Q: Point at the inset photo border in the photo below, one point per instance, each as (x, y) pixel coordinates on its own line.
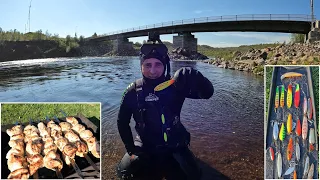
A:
(50, 140)
(291, 122)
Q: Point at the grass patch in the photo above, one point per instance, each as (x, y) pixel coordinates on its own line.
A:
(258, 69)
(268, 75)
(10, 113)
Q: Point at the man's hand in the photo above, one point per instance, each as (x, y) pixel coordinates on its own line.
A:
(185, 78)
(135, 152)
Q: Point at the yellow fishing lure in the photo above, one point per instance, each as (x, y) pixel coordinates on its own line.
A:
(282, 134)
(289, 96)
(164, 85)
(290, 75)
(289, 123)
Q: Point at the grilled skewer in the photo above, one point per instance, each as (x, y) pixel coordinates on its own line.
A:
(33, 149)
(17, 163)
(51, 158)
(68, 150)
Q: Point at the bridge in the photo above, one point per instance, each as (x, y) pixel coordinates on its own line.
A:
(284, 23)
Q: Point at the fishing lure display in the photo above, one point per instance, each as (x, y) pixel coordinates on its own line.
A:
(295, 126)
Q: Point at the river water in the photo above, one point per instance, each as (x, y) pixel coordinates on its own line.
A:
(227, 130)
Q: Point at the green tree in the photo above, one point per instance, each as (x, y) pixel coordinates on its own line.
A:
(137, 44)
(76, 37)
(297, 38)
(48, 35)
(81, 39)
(38, 35)
(68, 39)
(94, 35)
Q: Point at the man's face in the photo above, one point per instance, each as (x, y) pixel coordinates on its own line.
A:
(152, 68)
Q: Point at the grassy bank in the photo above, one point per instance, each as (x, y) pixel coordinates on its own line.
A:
(10, 113)
(315, 81)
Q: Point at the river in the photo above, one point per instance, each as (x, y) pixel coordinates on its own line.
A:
(227, 130)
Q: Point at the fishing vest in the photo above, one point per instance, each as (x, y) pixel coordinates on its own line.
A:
(156, 124)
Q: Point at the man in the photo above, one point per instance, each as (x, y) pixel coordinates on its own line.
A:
(161, 146)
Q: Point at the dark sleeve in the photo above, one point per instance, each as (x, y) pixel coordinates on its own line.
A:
(124, 117)
(200, 88)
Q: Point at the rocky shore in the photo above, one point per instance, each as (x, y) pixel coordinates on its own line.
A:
(184, 54)
(284, 54)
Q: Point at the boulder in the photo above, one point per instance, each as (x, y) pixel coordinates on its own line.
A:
(263, 55)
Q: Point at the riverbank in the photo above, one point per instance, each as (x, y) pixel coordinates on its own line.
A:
(253, 60)
(36, 49)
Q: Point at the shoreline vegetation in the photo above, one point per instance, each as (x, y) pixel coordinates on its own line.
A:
(15, 45)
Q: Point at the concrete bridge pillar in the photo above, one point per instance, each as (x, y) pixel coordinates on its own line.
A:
(185, 40)
(122, 47)
(314, 34)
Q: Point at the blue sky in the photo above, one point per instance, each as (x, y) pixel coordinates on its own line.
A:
(102, 16)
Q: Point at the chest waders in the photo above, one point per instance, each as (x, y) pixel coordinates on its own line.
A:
(141, 109)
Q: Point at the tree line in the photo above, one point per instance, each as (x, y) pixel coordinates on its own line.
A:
(15, 35)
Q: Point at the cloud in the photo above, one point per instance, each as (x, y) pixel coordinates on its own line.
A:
(222, 44)
(201, 11)
(198, 11)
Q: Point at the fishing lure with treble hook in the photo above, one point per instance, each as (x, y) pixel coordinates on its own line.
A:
(282, 97)
(289, 124)
(282, 134)
(297, 96)
(304, 127)
(298, 128)
(276, 103)
(310, 108)
(289, 96)
(290, 149)
(305, 105)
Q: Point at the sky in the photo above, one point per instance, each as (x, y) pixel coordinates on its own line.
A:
(85, 17)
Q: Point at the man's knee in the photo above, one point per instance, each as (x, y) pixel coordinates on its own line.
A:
(130, 167)
(123, 166)
(188, 163)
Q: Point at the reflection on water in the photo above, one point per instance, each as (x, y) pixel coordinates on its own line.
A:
(227, 129)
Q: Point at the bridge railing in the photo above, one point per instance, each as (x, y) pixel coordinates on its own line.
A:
(244, 17)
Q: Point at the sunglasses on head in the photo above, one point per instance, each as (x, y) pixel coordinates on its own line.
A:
(146, 49)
